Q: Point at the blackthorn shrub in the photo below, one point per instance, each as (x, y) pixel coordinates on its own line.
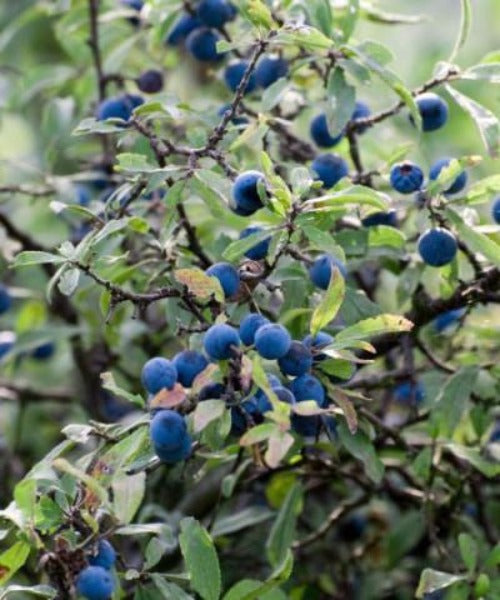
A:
(251, 317)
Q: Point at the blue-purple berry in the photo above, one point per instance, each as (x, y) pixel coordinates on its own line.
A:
(320, 340)
(5, 299)
(433, 110)
(105, 556)
(437, 247)
(95, 583)
(189, 365)
(260, 249)
(150, 81)
(270, 69)
(220, 341)
(320, 132)
(320, 271)
(389, 218)
(249, 326)
(157, 374)
(272, 341)
(228, 277)
(184, 25)
(459, 182)
(297, 361)
(245, 192)
(329, 169)
(495, 210)
(406, 177)
(233, 76)
(202, 45)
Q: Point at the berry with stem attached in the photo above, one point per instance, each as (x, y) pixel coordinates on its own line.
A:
(406, 177)
(220, 341)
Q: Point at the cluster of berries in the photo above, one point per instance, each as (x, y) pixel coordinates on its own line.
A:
(95, 582)
(222, 342)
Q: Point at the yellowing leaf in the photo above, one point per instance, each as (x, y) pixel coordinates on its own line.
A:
(330, 304)
(201, 285)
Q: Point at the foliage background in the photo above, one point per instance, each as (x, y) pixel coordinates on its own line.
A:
(47, 86)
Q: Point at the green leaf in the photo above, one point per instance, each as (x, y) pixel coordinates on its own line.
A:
(483, 72)
(91, 126)
(360, 446)
(201, 559)
(452, 400)
(369, 328)
(283, 530)
(449, 173)
(13, 559)
(274, 94)
(108, 383)
(279, 444)
(404, 536)
(128, 494)
(389, 78)
(40, 591)
(258, 14)
(347, 408)
(468, 550)
(24, 259)
(485, 120)
(357, 306)
(109, 229)
(473, 457)
(320, 15)
(476, 241)
(304, 36)
(341, 99)
(257, 434)
(213, 189)
(370, 12)
(377, 51)
(482, 190)
(356, 194)
(248, 517)
(483, 585)
(493, 558)
(431, 581)
(251, 589)
(465, 25)
(236, 249)
(323, 240)
(206, 412)
(68, 281)
(347, 19)
(330, 304)
(168, 590)
(383, 235)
